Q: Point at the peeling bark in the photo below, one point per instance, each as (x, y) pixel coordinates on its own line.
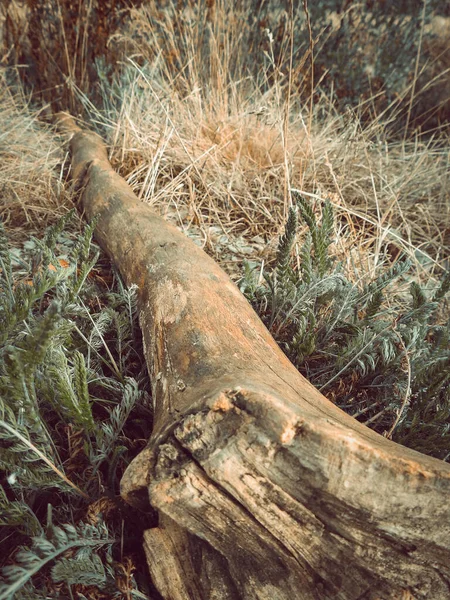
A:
(285, 495)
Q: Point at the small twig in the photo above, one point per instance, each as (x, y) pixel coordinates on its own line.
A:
(376, 417)
(362, 411)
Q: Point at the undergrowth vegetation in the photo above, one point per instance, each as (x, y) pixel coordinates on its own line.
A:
(381, 352)
(211, 141)
(74, 410)
(233, 120)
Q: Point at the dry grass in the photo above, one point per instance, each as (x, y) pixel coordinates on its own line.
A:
(32, 162)
(215, 144)
(217, 150)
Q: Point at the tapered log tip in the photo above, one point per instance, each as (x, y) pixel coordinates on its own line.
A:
(65, 123)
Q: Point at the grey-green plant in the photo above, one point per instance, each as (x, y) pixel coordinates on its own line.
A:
(51, 548)
(73, 399)
(379, 348)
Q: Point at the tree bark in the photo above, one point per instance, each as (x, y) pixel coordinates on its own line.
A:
(280, 493)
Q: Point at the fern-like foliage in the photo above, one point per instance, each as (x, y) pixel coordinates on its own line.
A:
(73, 387)
(283, 269)
(85, 567)
(382, 357)
(281, 280)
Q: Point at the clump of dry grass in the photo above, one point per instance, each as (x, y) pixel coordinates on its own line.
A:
(212, 121)
(32, 186)
(212, 146)
(215, 141)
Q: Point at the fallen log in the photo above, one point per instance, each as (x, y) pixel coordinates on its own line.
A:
(266, 490)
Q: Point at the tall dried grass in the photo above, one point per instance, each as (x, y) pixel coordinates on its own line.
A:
(211, 118)
(33, 192)
(217, 148)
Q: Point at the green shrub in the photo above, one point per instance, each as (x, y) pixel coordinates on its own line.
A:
(73, 401)
(382, 355)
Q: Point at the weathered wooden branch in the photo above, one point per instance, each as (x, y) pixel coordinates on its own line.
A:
(268, 490)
